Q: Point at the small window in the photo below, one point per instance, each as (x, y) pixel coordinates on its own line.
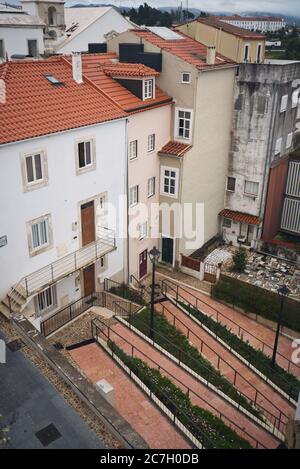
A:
(251, 188)
(53, 80)
(259, 51)
(246, 53)
(278, 146)
(169, 181)
(289, 140)
(185, 77)
(46, 300)
(133, 195)
(39, 235)
(2, 52)
(295, 98)
(151, 142)
(284, 101)
(151, 186)
(32, 48)
(231, 184)
(184, 119)
(34, 171)
(143, 230)
(133, 150)
(148, 89)
(85, 158)
(227, 222)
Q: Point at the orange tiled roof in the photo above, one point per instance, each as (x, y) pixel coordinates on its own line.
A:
(241, 217)
(93, 68)
(129, 70)
(174, 148)
(229, 28)
(35, 107)
(187, 49)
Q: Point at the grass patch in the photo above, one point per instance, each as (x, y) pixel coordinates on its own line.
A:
(176, 343)
(127, 293)
(284, 380)
(207, 428)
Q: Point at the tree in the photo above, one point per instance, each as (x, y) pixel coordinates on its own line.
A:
(240, 260)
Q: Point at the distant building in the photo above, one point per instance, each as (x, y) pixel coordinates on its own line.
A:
(86, 26)
(233, 42)
(255, 23)
(20, 33)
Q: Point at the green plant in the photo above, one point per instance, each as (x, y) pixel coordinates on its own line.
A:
(210, 430)
(240, 260)
(284, 380)
(177, 344)
(127, 293)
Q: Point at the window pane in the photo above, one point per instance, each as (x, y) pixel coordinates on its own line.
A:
(29, 169)
(88, 158)
(231, 184)
(44, 234)
(38, 166)
(81, 154)
(35, 235)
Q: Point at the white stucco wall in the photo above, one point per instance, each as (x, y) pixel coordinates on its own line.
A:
(61, 198)
(112, 20)
(15, 39)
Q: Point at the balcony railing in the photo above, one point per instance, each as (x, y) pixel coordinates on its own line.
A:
(57, 270)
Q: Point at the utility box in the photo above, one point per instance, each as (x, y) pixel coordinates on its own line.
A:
(106, 390)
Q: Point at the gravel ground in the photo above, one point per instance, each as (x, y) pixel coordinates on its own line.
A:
(83, 411)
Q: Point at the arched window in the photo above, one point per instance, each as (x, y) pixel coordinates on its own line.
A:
(52, 16)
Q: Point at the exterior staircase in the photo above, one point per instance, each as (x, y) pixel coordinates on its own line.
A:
(20, 294)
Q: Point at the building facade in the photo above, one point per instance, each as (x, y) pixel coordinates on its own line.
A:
(255, 23)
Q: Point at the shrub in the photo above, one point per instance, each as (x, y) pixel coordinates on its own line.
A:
(207, 428)
(177, 344)
(240, 260)
(127, 293)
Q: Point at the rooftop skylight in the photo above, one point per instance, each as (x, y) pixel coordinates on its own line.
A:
(165, 33)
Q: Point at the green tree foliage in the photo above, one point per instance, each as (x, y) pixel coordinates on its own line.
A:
(146, 15)
(240, 260)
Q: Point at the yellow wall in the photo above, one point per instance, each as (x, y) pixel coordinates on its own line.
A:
(227, 44)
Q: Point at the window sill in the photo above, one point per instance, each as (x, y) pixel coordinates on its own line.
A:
(253, 196)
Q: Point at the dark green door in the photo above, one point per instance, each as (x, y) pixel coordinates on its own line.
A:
(167, 250)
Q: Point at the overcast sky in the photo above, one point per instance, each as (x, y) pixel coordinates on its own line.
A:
(291, 7)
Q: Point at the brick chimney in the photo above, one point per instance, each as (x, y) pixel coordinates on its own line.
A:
(77, 67)
(211, 55)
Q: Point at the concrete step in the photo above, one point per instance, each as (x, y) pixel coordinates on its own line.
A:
(4, 310)
(14, 306)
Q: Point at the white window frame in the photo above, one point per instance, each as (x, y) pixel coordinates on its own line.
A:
(252, 194)
(177, 118)
(49, 293)
(89, 166)
(295, 98)
(223, 223)
(151, 187)
(133, 196)
(163, 169)
(39, 233)
(133, 149)
(151, 143)
(143, 230)
(36, 183)
(148, 90)
(289, 140)
(284, 102)
(278, 146)
(186, 82)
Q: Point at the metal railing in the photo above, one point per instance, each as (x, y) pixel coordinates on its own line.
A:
(235, 328)
(143, 289)
(57, 270)
(123, 290)
(134, 351)
(252, 394)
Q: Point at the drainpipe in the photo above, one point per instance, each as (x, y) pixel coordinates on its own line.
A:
(127, 206)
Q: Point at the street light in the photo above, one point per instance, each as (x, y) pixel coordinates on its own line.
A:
(153, 256)
(283, 293)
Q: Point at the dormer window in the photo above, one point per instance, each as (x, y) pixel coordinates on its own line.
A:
(148, 89)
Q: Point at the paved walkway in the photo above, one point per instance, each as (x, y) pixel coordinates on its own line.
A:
(199, 393)
(129, 400)
(274, 407)
(252, 331)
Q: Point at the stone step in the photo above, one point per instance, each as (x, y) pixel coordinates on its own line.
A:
(4, 310)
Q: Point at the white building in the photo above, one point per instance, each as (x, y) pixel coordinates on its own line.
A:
(63, 154)
(255, 23)
(86, 26)
(20, 33)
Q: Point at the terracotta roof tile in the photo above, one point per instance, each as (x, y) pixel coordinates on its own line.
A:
(187, 49)
(129, 70)
(35, 107)
(241, 217)
(174, 148)
(229, 28)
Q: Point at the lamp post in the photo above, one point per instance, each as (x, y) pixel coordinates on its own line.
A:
(283, 292)
(153, 256)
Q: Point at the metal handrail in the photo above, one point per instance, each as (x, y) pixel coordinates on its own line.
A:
(142, 287)
(189, 390)
(258, 394)
(63, 267)
(219, 314)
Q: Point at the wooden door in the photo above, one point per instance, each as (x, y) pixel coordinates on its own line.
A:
(89, 279)
(88, 223)
(167, 250)
(143, 263)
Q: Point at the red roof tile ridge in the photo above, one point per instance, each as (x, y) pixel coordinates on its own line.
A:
(91, 83)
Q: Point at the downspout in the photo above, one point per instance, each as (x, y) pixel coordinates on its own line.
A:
(127, 206)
